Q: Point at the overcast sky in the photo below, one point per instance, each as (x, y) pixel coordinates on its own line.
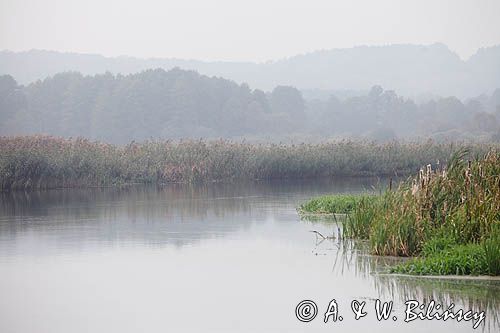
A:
(253, 30)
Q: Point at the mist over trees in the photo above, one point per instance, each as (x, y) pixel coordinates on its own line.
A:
(180, 104)
(411, 70)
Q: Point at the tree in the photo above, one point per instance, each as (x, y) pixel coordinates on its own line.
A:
(286, 99)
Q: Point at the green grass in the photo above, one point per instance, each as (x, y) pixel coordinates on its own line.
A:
(436, 245)
(467, 259)
(491, 247)
(334, 204)
(357, 224)
(445, 255)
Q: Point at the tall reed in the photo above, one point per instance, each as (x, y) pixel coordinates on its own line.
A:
(461, 202)
(47, 162)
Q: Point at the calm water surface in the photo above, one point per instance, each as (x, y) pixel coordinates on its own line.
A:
(215, 258)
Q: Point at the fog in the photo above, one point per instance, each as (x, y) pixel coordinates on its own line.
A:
(184, 104)
(411, 70)
(263, 71)
(229, 30)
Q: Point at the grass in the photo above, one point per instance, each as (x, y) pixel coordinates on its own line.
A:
(333, 204)
(448, 217)
(467, 259)
(443, 256)
(49, 162)
(357, 224)
(491, 247)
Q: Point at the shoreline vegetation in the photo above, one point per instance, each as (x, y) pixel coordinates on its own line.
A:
(447, 219)
(43, 162)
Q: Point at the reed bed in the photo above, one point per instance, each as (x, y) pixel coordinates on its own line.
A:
(50, 162)
(448, 216)
(460, 203)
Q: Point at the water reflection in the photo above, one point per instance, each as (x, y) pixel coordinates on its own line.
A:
(146, 258)
(177, 213)
(476, 294)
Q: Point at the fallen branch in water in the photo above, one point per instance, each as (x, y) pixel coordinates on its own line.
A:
(318, 233)
(321, 235)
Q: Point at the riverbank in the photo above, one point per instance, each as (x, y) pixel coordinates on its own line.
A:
(48, 162)
(447, 219)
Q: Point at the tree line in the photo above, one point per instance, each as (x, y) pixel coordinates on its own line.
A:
(178, 104)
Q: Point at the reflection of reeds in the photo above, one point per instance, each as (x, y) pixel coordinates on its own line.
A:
(45, 162)
(354, 255)
(476, 295)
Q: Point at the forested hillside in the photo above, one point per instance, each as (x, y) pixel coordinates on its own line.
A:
(409, 69)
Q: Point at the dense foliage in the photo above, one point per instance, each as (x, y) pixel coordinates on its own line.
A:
(183, 104)
(41, 162)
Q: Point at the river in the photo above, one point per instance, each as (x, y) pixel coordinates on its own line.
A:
(206, 258)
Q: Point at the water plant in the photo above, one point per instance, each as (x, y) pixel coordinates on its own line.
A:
(357, 224)
(48, 162)
(491, 247)
(334, 204)
(449, 216)
(461, 202)
(457, 260)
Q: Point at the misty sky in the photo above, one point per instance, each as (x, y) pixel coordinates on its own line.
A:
(253, 30)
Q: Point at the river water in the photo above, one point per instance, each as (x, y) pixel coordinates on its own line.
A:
(212, 258)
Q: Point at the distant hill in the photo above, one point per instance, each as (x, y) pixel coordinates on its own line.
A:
(409, 69)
